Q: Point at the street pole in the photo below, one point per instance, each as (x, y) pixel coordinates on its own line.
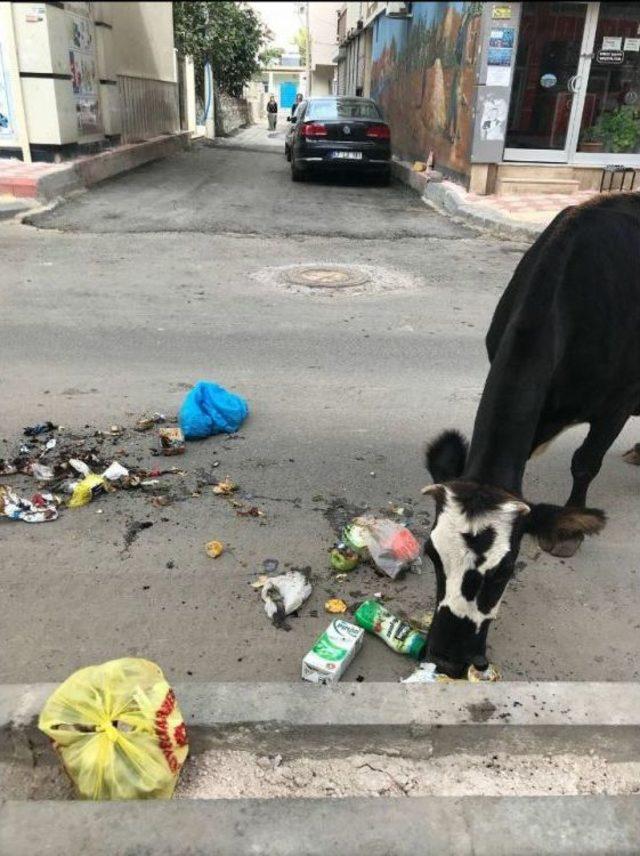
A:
(308, 50)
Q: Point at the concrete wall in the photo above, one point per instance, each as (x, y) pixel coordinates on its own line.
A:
(143, 39)
(230, 113)
(323, 18)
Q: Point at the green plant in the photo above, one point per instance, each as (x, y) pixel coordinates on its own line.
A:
(619, 129)
(228, 35)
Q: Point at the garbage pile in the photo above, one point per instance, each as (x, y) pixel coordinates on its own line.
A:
(63, 468)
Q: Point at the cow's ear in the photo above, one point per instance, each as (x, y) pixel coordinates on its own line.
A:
(446, 456)
(437, 491)
(553, 523)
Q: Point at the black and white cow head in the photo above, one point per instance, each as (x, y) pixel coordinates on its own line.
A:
(474, 544)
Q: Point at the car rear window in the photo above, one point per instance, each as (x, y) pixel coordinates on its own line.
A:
(331, 109)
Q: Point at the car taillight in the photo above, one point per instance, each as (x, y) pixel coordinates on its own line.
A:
(379, 132)
(314, 129)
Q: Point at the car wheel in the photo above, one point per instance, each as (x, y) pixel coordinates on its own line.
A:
(287, 153)
(296, 173)
(384, 179)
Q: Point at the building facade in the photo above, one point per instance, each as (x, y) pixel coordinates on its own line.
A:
(322, 41)
(80, 74)
(508, 97)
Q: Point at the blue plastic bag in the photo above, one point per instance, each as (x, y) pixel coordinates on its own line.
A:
(211, 409)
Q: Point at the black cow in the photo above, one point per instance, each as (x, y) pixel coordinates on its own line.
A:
(564, 347)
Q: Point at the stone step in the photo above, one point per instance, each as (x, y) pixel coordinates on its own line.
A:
(535, 170)
(508, 186)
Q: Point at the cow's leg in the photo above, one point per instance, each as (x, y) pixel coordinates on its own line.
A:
(585, 466)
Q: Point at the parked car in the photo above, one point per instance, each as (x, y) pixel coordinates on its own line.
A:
(332, 133)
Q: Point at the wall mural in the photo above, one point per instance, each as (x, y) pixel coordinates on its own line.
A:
(423, 76)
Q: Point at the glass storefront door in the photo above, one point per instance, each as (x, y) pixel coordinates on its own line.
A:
(543, 93)
(575, 96)
(609, 120)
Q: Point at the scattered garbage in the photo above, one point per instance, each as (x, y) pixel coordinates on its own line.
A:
(210, 409)
(172, 441)
(427, 673)
(41, 472)
(86, 490)
(118, 730)
(398, 634)
(284, 594)
(390, 545)
(335, 605)
(332, 652)
(225, 487)
(41, 508)
(419, 166)
(343, 558)
(115, 472)
(270, 566)
(214, 549)
(145, 423)
(40, 428)
(251, 511)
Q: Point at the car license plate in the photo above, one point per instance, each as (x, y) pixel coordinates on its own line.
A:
(348, 155)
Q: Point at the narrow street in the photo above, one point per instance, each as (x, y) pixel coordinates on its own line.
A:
(117, 301)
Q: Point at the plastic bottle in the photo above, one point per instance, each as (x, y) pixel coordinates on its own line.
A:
(398, 634)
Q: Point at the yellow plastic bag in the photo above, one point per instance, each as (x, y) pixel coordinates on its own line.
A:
(86, 490)
(118, 730)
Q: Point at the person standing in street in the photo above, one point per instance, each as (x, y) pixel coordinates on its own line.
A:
(296, 104)
(272, 112)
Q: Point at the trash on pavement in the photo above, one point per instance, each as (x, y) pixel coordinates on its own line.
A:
(40, 428)
(41, 508)
(270, 566)
(251, 511)
(145, 423)
(210, 409)
(115, 472)
(225, 487)
(332, 652)
(40, 471)
(172, 441)
(427, 673)
(343, 558)
(259, 583)
(398, 634)
(86, 490)
(80, 466)
(391, 546)
(491, 673)
(335, 605)
(419, 166)
(118, 730)
(214, 549)
(7, 468)
(284, 594)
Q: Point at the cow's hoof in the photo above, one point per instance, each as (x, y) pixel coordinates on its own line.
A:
(633, 455)
(562, 548)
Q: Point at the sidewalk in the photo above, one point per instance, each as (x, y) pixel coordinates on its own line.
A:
(257, 137)
(46, 181)
(516, 216)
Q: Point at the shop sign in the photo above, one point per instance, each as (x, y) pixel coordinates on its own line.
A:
(608, 57)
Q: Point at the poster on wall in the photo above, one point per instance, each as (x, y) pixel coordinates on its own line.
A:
(6, 116)
(84, 72)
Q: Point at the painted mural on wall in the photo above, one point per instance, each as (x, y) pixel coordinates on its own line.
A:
(423, 76)
(6, 117)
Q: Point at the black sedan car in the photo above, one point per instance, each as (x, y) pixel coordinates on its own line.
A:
(339, 133)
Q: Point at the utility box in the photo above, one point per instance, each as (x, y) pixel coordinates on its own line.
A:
(59, 62)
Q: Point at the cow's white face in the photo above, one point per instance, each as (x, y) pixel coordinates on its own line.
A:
(473, 545)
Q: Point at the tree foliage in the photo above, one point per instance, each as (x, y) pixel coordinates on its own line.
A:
(300, 40)
(228, 35)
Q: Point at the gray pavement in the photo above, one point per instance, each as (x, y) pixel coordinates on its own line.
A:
(163, 276)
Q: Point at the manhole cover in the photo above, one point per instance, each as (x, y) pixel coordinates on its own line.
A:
(325, 276)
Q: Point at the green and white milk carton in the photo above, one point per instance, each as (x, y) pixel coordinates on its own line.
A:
(332, 652)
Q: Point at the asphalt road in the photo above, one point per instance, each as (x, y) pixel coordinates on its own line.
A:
(124, 296)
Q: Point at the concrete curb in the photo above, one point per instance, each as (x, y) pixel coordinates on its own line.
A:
(91, 170)
(482, 826)
(516, 717)
(449, 199)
